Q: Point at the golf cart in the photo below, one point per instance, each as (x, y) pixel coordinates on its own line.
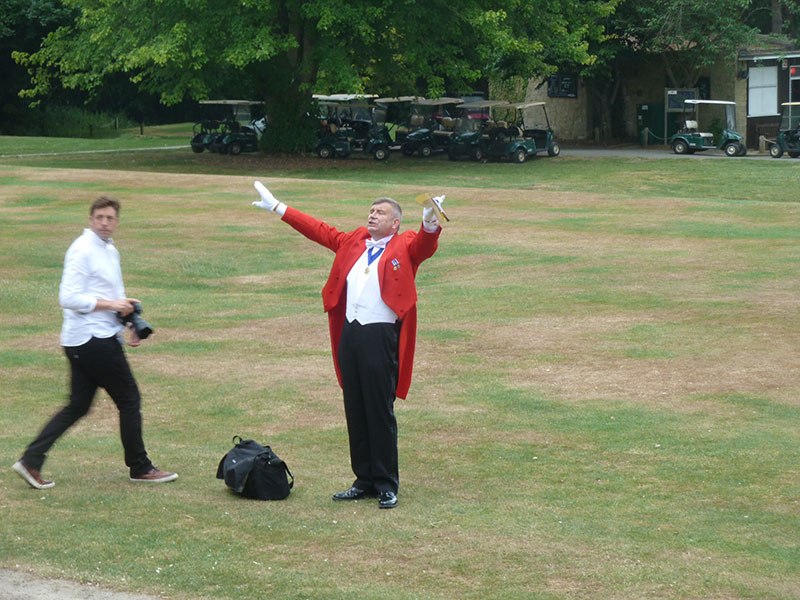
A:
(434, 122)
(235, 133)
(689, 139)
(517, 139)
(471, 137)
(788, 139)
(348, 122)
(396, 114)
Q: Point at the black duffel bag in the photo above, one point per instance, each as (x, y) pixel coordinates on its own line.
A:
(255, 471)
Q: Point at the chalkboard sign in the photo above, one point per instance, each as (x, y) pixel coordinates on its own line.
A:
(562, 86)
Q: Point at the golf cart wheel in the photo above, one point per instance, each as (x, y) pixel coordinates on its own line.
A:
(325, 151)
(198, 148)
(742, 149)
(235, 148)
(553, 149)
(794, 154)
(477, 153)
(381, 153)
(407, 149)
(775, 151)
(520, 155)
(680, 147)
(425, 150)
(731, 149)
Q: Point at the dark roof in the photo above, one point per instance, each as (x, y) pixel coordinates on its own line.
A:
(770, 46)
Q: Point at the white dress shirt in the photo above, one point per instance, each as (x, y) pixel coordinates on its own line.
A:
(91, 272)
(364, 302)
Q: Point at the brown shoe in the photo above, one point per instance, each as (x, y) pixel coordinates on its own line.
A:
(155, 475)
(32, 476)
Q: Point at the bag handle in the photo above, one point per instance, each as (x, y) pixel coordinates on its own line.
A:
(235, 443)
(291, 483)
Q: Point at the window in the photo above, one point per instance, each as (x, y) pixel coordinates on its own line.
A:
(762, 91)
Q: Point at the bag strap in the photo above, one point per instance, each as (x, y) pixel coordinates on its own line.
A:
(291, 483)
(235, 443)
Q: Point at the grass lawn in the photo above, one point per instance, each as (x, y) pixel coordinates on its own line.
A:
(605, 400)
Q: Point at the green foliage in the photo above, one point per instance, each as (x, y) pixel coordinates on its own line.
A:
(687, 36)
(284, 50)
(67, 121)
(716, 128)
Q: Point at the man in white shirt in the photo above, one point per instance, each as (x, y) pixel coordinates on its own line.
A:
(93, 299)
(371, 301)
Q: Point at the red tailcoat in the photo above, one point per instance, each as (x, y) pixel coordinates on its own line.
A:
(397, 269)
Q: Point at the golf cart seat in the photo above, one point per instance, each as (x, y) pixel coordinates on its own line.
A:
(501, 124)
(488, 124)
(447, 127)
(417, 120)
(333, 127)
(690, 126)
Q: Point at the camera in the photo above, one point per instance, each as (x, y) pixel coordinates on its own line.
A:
(140, 326)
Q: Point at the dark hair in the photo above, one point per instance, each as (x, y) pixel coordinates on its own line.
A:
(103, 202)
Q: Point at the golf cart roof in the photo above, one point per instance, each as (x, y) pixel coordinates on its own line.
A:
(343, 97)
(693, 101)
(520, 105)
(481, 104)
(790, 103)
(398, 99)
(231, 102)
(438, 101)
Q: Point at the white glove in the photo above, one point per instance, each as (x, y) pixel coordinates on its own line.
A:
(430, 220)
(268, 201)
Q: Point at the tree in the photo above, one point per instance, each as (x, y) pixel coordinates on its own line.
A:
(23, 24)
(775, 17)
(284, 50)
(686, 36)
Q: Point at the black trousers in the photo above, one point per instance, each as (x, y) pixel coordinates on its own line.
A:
(100, 362)
(368, 362)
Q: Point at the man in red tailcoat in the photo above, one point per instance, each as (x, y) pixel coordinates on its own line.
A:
(371, 301)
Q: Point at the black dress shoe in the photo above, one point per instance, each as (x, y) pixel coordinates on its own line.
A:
(353, 493)
(387, 500)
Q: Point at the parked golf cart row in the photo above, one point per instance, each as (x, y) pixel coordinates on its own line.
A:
(788, 139)
(689, 139)
(512, 137)
(424, 127)
(231, 130)
(348, 123)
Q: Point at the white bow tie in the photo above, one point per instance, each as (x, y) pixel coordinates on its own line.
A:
(373, 244)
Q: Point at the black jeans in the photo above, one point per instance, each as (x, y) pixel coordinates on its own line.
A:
(100, 362)
(368, 362)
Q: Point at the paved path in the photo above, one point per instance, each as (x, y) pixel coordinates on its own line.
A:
(635, 151)
(16, 585)
(106, 151)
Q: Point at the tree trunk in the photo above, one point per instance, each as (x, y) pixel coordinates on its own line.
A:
(602, 111)
(777, 16)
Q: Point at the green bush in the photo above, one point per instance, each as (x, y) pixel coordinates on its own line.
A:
(70, 121)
